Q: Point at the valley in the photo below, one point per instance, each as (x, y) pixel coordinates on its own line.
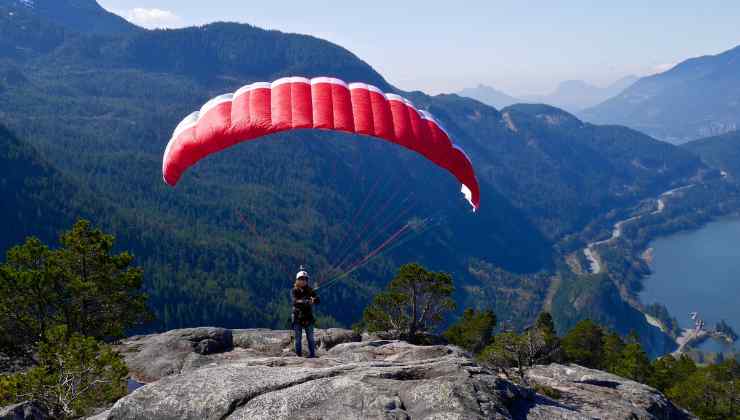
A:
(278, 212)
(220, 249)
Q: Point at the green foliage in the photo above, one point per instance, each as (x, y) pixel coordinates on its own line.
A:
(611, 351)
(552, 347)
(415, 302)
(74, 374)
(473, 331)
(711, 393)
(668, 371)
(82, 285)
(545, 323)
(590, 345)
(633, 364)
(86, 104)
(583, 344)
(505, 354)
(102, 288)
(536, 345)
(597, 297)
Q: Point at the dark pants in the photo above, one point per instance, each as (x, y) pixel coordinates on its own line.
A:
(298, 334)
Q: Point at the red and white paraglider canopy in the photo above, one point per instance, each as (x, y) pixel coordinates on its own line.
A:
(325, 103)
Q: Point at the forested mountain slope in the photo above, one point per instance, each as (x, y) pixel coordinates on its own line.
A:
(721, 152)
(222, 246)
(35, 197)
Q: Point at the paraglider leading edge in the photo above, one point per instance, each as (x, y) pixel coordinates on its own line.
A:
(325, 103)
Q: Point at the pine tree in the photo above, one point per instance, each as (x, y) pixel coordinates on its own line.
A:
(583, 344)
(473, 331)
(415, 302)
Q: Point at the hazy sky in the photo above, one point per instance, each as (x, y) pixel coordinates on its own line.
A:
(518, 46)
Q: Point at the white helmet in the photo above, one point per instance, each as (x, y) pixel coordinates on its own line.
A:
(300, 274)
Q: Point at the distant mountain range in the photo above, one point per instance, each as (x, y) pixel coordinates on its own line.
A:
(489, 96)
(699, 97)
(570, 95)
(576, 95)
(96, 110)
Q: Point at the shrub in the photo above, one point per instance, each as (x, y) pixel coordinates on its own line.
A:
(74, 375)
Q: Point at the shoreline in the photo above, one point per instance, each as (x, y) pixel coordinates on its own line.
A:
(590, 251)
(688, 338)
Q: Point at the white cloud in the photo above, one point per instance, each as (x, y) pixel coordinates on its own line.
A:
(153, 18)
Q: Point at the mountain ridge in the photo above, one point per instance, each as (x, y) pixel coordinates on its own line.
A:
(664, 105)
(571, 95)
(577, 95)
(221, 248)
(84, 16)
(489, 96)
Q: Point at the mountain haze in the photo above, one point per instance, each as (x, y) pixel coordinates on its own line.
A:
(577, 95)
(489, 96)
(697, 98)
(571, 95)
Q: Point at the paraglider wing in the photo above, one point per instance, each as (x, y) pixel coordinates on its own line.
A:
(323, 103)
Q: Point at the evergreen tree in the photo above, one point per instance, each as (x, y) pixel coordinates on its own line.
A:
(506, 354)
(710, 393)
(473, 331)
(82, 286)
(583, 345)
(634, 364)
(545, 323)
(612, 348)
(546, 327)
(664, 373)
(415, 302)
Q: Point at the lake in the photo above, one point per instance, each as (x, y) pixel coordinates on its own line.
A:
(698, 271)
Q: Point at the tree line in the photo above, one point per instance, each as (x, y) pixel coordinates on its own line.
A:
(416, 302)
(62, 308)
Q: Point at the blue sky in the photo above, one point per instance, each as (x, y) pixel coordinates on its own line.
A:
(520, 47)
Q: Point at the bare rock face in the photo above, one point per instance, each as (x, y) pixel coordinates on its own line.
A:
(23, 411)
(384, 382)
(150, 357)
(258, 377)
(598, 394)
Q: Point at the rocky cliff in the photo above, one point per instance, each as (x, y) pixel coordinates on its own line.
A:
(213, 373)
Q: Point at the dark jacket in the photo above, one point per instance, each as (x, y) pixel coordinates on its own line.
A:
(302, 309)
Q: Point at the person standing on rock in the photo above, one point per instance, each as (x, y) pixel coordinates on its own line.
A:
(304, 297)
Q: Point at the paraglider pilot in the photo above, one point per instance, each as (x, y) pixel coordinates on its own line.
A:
(304, 297)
